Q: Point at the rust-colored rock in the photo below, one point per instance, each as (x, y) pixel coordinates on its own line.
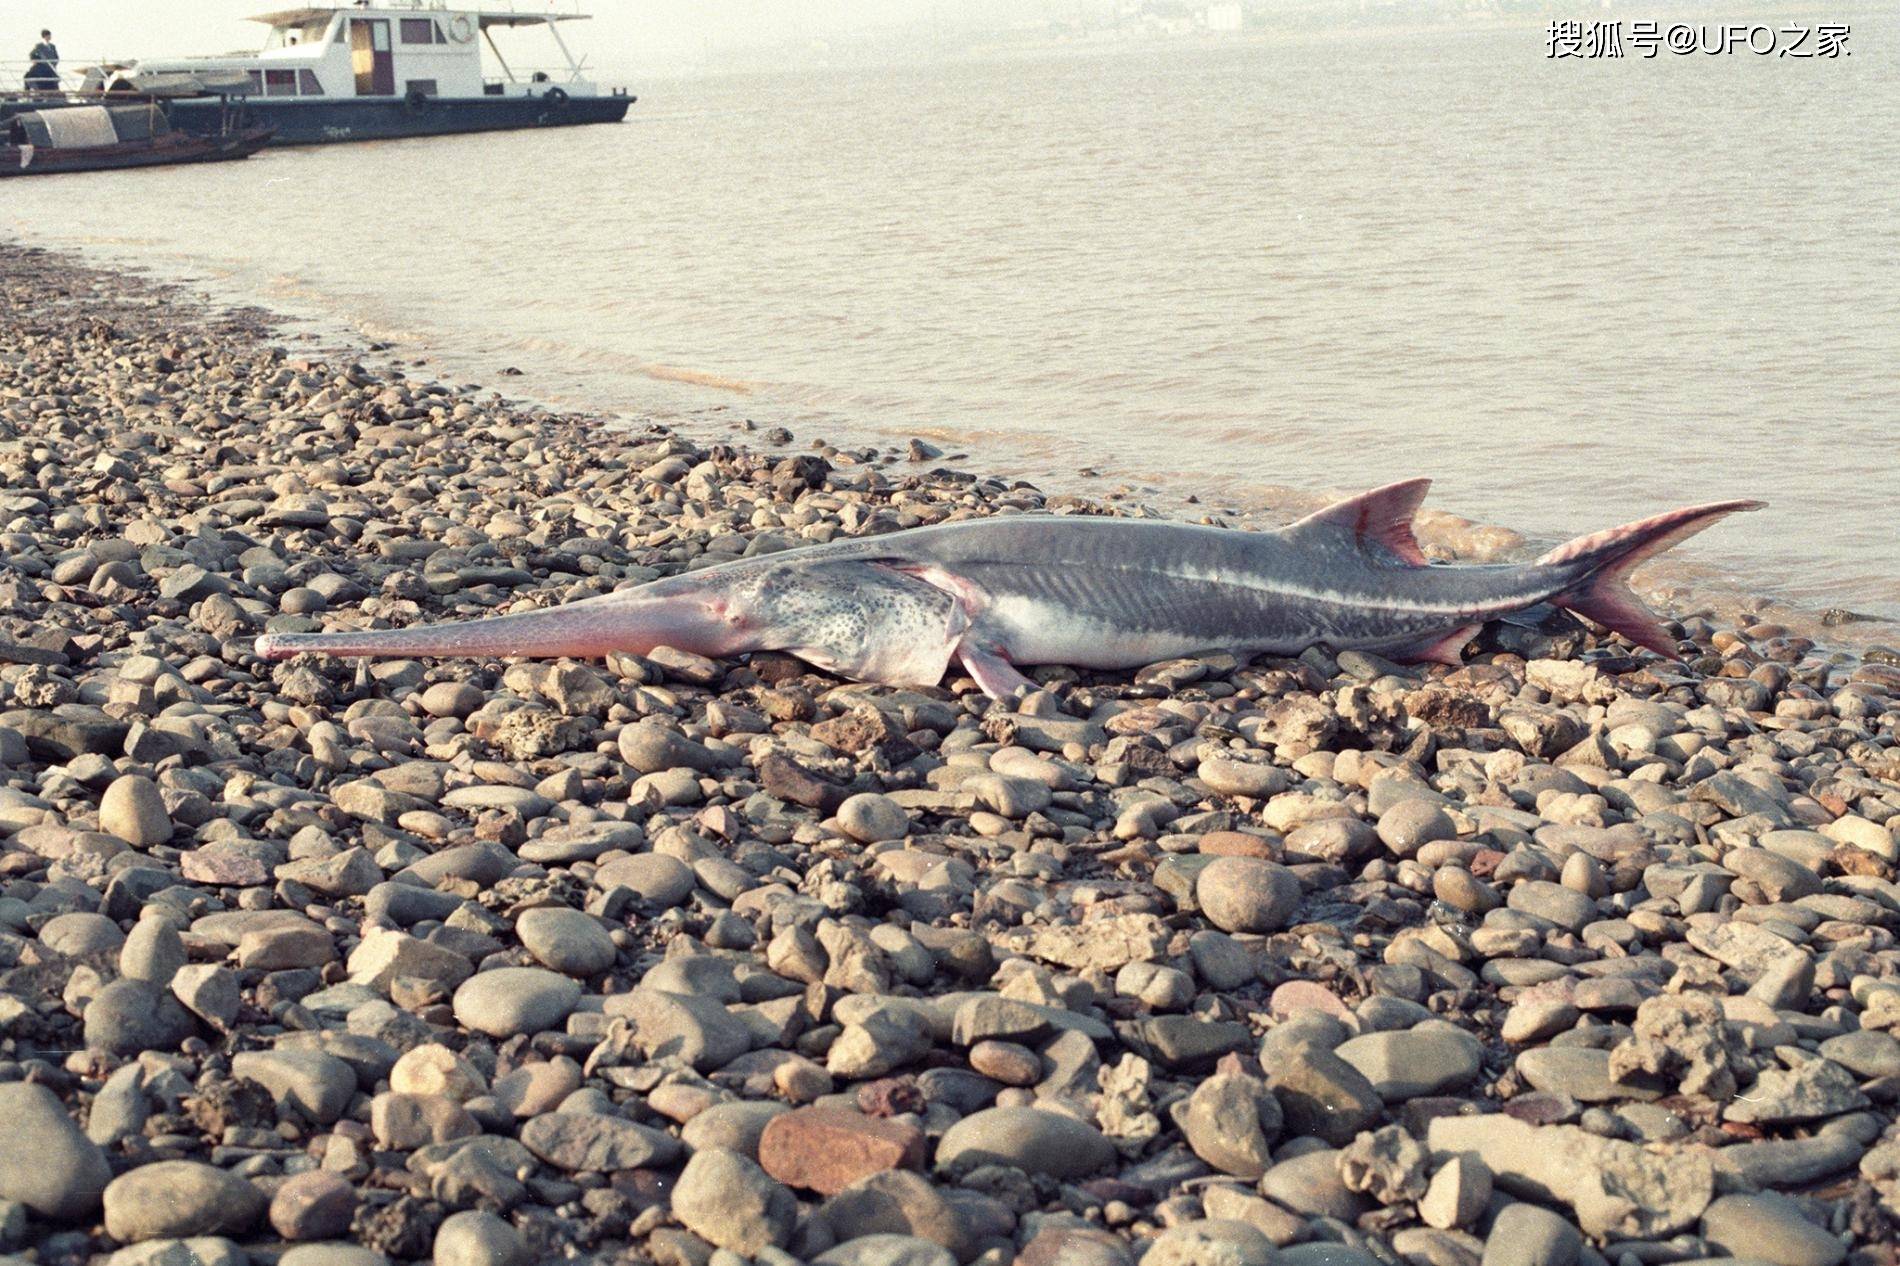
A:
(862, 729)
(786, 779)
(826, 1149)
(890, 1096)
(1485, 862)
(1538, 1108)
(1238, 844)
(1296, 996)
(1858, 861)
(1446, 709)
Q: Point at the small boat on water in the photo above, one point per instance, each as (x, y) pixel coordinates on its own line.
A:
(377, 69)
(108, 137)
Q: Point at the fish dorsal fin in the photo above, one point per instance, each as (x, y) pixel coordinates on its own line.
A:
(1379, 520)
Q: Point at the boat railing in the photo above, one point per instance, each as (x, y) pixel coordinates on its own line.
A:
(13, 101)
(13, 80)
(545, 8)
(69, 68)
(101, 96)
(540, 76)
(531, 8)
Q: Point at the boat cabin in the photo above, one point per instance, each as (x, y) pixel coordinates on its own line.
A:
(401, 50)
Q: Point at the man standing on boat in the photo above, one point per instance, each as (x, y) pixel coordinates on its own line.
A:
(42, 72)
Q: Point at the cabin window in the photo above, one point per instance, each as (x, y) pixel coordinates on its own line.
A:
(308, 85)
(420, 31)
(419, 87)
(280, 83)
(257, 82)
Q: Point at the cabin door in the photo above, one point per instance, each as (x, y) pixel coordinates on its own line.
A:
(371, 59)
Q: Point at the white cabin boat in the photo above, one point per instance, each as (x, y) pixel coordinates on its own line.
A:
(369, 71)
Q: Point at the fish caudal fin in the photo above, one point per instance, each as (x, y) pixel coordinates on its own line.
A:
(1603, 593)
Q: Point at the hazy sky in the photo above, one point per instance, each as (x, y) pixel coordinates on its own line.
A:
(643, 35)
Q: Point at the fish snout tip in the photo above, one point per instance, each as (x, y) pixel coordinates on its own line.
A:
(271, 646)
(1715, 509)
(1737, 505)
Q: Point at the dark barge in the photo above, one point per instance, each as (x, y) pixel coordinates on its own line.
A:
(67, 138)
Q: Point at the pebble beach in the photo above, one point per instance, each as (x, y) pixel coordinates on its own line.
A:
(1569, 956)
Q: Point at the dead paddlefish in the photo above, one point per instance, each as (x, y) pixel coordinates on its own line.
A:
(997, 593)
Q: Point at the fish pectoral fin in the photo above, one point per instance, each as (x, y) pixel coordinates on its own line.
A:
(1379, 521)
(967, 594)
(994, 675)
(1447, 649)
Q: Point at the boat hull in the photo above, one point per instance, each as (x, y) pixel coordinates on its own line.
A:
(306, 122)
(166, 151)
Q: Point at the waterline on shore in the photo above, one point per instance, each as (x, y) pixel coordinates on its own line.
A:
(1436, 265)
(702, 404)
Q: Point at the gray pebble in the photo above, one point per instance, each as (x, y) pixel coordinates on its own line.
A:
(1769, 1227)
(1527, 1235)
(1247, 894)
(48, 1164)
(730, 1202)
(566, 940)
(129, 1016)
(514, 1000)
(1031, 1140)
(478, 1238)
(870, 818)
(134, 811)
(173, 1199)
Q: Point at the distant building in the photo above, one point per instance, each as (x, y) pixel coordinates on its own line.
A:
(1224, 17)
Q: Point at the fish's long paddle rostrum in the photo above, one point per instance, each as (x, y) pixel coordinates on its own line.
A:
(998, 593)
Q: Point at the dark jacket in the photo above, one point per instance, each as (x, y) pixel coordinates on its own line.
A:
(45, 61)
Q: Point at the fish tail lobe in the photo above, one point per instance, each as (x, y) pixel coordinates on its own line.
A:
(1603, 594)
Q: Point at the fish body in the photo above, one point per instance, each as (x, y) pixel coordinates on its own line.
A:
(1107, 593)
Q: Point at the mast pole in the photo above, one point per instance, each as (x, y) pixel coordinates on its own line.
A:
(501, 61)
(573, 67)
